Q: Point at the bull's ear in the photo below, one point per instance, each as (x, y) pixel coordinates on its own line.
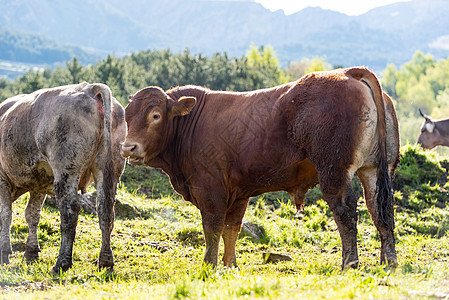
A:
(430, 126)
(183, 106)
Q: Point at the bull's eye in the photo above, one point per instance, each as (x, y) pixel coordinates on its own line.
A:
(156, 117)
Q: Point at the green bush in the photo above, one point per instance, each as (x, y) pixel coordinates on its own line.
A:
(148, 181)
(418, 166)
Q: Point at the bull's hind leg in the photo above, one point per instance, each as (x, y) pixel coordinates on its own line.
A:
(32, 216)
(5, 222)
(339, 195)
(233, 223)
(65, 189)
(385, 225)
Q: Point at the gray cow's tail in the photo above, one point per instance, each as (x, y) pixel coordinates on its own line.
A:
(385, 199)
(106, 187)
(103, 94)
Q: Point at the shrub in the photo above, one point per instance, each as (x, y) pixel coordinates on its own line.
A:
(145, 180)
(418, 166)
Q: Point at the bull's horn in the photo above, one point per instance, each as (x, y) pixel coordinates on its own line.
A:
(428, 118)
(420, 112)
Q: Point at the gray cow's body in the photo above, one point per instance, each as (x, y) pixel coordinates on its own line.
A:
(434, 133)
(52, 142)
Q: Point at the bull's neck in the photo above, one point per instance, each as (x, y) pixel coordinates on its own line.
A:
(178, 132)
(443, 128)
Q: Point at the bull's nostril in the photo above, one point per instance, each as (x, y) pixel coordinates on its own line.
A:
(128, 150)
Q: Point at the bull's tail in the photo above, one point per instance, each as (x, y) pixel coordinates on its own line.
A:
(385, 199)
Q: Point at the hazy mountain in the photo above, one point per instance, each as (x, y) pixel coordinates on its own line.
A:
(387, 34)
(36, 49)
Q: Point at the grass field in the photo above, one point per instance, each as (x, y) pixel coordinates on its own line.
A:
(158, 245)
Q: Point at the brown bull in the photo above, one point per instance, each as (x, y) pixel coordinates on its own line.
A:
(220, 148)
(52, 142)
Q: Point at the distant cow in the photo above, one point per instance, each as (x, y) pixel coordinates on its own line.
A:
(433, 132)
(220, 148)
(52, 142)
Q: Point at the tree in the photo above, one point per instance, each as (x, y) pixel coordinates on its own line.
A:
(30, 82)
(264, 67)
(296, 70)
(75, 70)
(317, 64)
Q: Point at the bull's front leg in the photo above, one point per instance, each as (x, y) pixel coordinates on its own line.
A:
(213, 225)
(65, 189)
(231, 231)
(32, 216)
(5, 222)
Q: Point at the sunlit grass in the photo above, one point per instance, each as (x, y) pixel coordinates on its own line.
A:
(159, 252)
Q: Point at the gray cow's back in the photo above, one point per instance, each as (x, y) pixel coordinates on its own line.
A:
(46, 131)
(54, 141)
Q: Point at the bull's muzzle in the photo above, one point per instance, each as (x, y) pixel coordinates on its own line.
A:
(128, 149)
(132, 152)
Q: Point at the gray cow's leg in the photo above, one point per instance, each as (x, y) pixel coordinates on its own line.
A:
(231, 231)
(368, 178)
(5, 222)
(65, 189)
(106, 189)
(32, 216)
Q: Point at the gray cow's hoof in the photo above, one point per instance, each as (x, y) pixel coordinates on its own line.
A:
(4, 258)
(106, 265)
(32, 253)
(350, 265)
(61, 266)
(106, 262)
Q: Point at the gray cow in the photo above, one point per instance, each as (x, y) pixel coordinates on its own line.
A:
(54, 141)
(433, 132)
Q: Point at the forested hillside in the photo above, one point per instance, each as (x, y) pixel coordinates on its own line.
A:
(258, 69)
(423, 82)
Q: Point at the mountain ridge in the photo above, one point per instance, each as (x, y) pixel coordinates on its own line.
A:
(387, 34)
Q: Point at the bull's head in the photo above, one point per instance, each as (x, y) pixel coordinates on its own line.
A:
(149, 116)
(429, 137)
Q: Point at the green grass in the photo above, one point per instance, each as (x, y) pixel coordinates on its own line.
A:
(158, 245)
